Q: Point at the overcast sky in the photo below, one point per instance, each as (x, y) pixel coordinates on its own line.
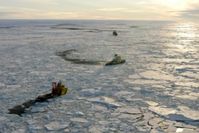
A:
(100, 9)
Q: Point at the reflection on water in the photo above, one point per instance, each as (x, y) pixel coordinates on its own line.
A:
(175, 73)
(185, 30)
(185, 35)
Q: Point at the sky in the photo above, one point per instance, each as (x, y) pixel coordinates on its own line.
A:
(100, 9)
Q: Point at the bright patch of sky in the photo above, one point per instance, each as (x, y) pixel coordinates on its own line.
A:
(99, 9)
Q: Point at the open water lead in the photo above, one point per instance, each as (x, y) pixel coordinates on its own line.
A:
(58, 89)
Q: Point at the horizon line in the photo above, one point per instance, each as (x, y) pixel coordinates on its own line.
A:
(91, 19)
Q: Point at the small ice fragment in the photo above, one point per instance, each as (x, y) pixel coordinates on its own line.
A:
(79, 120)
(152, 103)
(56, 126)
(179, 130)
(79, 113)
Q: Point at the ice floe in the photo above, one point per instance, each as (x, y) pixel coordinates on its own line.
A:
(152, 103)
(145, 82)
(188, 96)
(55, 125)
(162, 110)
(157, 75)
(106, 101)
(95, 129)
(80, 120)
(179, 130)
(128, 110)
(189, 113)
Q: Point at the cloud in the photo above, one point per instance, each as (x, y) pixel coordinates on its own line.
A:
(190, 14)
(111, 9)
(95, 9)
(5, 13)
(32, 14)
(121, 10)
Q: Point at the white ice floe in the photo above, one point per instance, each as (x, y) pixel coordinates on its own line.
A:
(13, 86)
(181, 110)
(80, 120)
(40, 73)
(157, 75)
(189, 113)
(123, 93)
(106, 101)
(111, 101)
(20, 131)
(99, 108)
(134, 76)
(152, 103)
(35, 127)
(37, 109)
(189, 97)
(188, 84)
(179, 130)
(191, 75)
(2, 85)
(128, 110)
(79, 113)
(95, 129)
(145, 82)
(52, 126)
(161, 110)
(3, 119)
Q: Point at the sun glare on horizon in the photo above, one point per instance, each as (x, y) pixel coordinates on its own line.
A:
(176, 4)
